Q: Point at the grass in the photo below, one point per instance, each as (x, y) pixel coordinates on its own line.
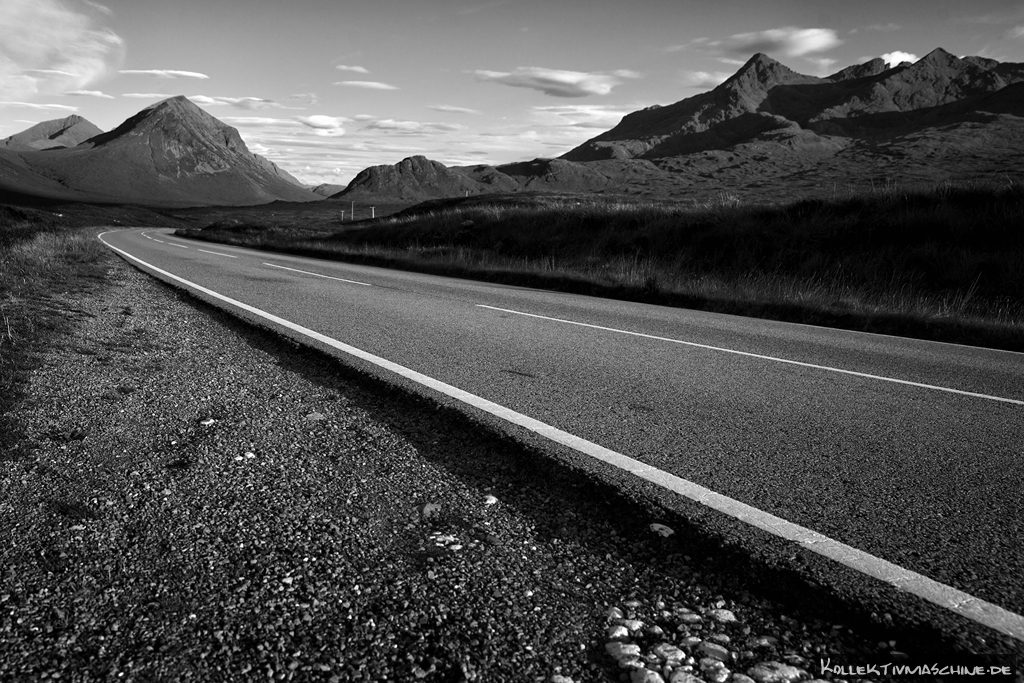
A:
(943, 262)
(41, 257)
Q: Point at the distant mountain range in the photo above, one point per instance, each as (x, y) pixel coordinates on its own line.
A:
(170, 154)
(766, 132)
(769, 131)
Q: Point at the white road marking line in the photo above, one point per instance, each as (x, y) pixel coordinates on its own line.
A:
(340, 279)
(758, 355)
(180, 246)
(952, 599)
(152, 238)
(215, 252)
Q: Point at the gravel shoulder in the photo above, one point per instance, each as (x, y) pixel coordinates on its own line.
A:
(197, 500)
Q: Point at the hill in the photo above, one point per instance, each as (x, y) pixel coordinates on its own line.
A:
(172, 153)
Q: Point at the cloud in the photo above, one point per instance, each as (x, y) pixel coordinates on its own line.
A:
(894, 58)
(90, 93)
(257, 121)
(370, 85)
(356, 69)
(52, 46)
(557, 83)
(788, 40)
(163, 73)
(321, 122)
(305, 99)
(1015, 32)
(412, 127)
(452, 109)
(246, 103)
(704, 79)
(589, 116)
(147, 95)
(33, 105)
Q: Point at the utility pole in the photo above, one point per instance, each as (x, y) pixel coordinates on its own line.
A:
(353, 214)
(372, 212)
(343, 215)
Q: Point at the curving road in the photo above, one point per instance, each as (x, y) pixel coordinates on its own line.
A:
(909, 451)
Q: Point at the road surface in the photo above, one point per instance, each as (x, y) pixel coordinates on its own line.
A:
(909, 451)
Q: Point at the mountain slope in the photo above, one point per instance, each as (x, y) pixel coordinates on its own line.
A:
(172, 153)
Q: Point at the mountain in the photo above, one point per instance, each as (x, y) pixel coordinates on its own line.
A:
(417, 178)
(766, 101)
(769, 132)
(171, 153)
(67, 132)
(326, 189)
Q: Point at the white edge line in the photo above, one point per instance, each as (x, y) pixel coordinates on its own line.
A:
(952, 599)
(215, 252)
(763, 357)
(340, 279)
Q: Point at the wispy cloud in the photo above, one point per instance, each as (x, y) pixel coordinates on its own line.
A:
(788, 40)
(163, 73)
(413, 127)
(50, 47)
(257, 121)
(452, 109)
(90, 93)
(1015, 32)
(356, 69)
(894, 58)
(556, 82)
(322, 122)
(146, 95)
(247, 103)
(704, 79)
(369, 85)
(305, 99)
(599, 116)
(35, 105)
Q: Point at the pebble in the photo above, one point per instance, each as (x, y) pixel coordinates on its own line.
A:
(617, 632)
(775, 672)
(714, 650)
(559, 678)
(680, 676)
(633, 625)
(723, 616)
(669, 653)
(645, 676)
(620, 651)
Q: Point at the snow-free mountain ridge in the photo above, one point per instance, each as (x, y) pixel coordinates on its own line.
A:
(171, 153)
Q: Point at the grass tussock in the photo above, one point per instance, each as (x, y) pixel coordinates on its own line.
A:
(945, 262)
(40, 258)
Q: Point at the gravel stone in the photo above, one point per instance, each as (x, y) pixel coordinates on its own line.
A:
(723, 616)
(645, 676)
(683, 677)
(714, 651)
(775, 672)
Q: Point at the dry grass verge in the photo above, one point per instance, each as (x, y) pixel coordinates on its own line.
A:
(944, 263)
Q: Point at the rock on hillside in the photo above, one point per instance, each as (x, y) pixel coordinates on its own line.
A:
(171, 153)
(66, 132)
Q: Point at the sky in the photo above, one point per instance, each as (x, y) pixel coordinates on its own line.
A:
(325, 88)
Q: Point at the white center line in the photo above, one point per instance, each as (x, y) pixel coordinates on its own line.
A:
(180, 246)
(156, 240)
(947, 597)
(340, 279)
(215, 252)
(758, 355)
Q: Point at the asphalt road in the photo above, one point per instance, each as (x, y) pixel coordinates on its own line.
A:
(909, 450)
